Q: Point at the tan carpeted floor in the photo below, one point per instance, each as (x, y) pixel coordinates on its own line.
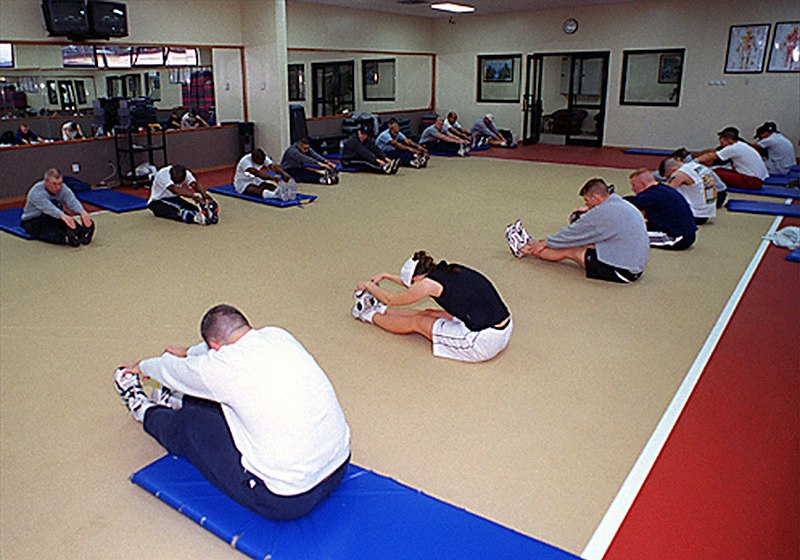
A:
(538, 439)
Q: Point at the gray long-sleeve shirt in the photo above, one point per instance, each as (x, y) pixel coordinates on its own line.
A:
(617, 230)
(40, 201)
(293, 158)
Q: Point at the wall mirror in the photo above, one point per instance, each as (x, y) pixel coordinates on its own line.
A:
(64, 79)
(360, 81)
(652, 77)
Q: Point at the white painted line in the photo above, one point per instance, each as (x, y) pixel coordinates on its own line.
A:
(598, 545)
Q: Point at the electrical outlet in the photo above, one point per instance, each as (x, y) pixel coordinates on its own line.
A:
(76, 167)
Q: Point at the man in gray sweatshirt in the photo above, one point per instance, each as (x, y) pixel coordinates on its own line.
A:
(609, 239)
(299, 155)
(44, 216)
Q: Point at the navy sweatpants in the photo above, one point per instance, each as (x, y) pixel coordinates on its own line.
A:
(199, 432)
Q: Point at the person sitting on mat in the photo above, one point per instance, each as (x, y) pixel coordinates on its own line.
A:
(257, 175)
(748, 170)
(607, 237)
(670, 223)
(696, 182)
(775, 148)
(250, 408)
(486, 129)
(396, 145)
(435, 139)
(173, 187)
(453, 127)
(685, 156)
(299, 155)
(361, 152)
(25, 135)
(192, 119)
(473, 325)
(44, 218)
(71, 131)
(174, 121)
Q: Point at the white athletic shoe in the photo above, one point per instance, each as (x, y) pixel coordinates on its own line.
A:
(416, 163)
(366, 305)
(517, 238)
(285, 191)
(387, 167)
(132, 393)
(164, 396)
(461, 151)
(200, 218)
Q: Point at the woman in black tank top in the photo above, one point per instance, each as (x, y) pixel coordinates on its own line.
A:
(467, 299)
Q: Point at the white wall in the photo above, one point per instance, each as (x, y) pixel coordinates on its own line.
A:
(228, 84)
(702, 28)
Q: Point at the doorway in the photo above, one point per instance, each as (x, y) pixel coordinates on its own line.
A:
(334, 90)
(565, 98)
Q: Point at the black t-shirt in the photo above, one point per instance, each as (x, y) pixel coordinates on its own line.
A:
(468, 295)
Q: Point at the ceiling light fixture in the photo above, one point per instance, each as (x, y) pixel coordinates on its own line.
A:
(454, 8)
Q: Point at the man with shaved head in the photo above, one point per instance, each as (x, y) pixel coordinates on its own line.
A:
(250, 408)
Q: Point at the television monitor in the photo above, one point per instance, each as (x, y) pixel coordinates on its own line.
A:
(78, 55)
(65, 17)
(113, 56)
(107, 19)
(6, 55)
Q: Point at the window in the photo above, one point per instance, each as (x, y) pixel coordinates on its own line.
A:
(499, 78)
(652, 77)
(78, 55)
(6, 55)
(297, 82)
(378, 79)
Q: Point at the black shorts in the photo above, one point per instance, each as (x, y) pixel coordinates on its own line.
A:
(595, 268)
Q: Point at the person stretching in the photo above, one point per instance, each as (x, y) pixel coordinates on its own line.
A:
(473, 324)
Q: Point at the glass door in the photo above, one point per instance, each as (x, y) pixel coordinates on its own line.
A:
(565, 96)
(333, 87)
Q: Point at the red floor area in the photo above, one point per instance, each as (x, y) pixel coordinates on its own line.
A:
(727, 483)
(574, 155)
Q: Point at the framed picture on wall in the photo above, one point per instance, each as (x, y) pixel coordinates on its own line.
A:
(669, 68)
(784, 54)
(747, 45)
(498, 70)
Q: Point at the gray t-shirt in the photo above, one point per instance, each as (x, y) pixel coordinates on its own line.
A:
(617, 230)
(780, 153)
(293, 158)
(480, 128)
(429, 134)
(41, 201)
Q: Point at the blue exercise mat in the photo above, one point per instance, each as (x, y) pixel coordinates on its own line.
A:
(9, 222)
(760, 207)
(782, 180)
(369, 517)
(647, 152)
(228, 190)
(780, 192)
(794, 256)
(116, 201)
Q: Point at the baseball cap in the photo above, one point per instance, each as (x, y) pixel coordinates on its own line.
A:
(489, 116)
(729, 132)
(766, 127)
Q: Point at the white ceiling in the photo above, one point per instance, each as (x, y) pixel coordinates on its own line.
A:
(422, 8)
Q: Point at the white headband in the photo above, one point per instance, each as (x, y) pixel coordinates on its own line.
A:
(407, 271)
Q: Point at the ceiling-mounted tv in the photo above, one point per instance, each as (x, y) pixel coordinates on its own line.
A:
(107, 19)
(65, 17)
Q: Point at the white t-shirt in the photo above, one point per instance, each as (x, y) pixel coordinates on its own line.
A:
(278, 403)
(162, 181)
(746, 160)
(780, 153)
(702, 193)
(447, 126)
(242, 178)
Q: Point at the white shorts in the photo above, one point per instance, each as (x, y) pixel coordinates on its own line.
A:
(452, 339)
